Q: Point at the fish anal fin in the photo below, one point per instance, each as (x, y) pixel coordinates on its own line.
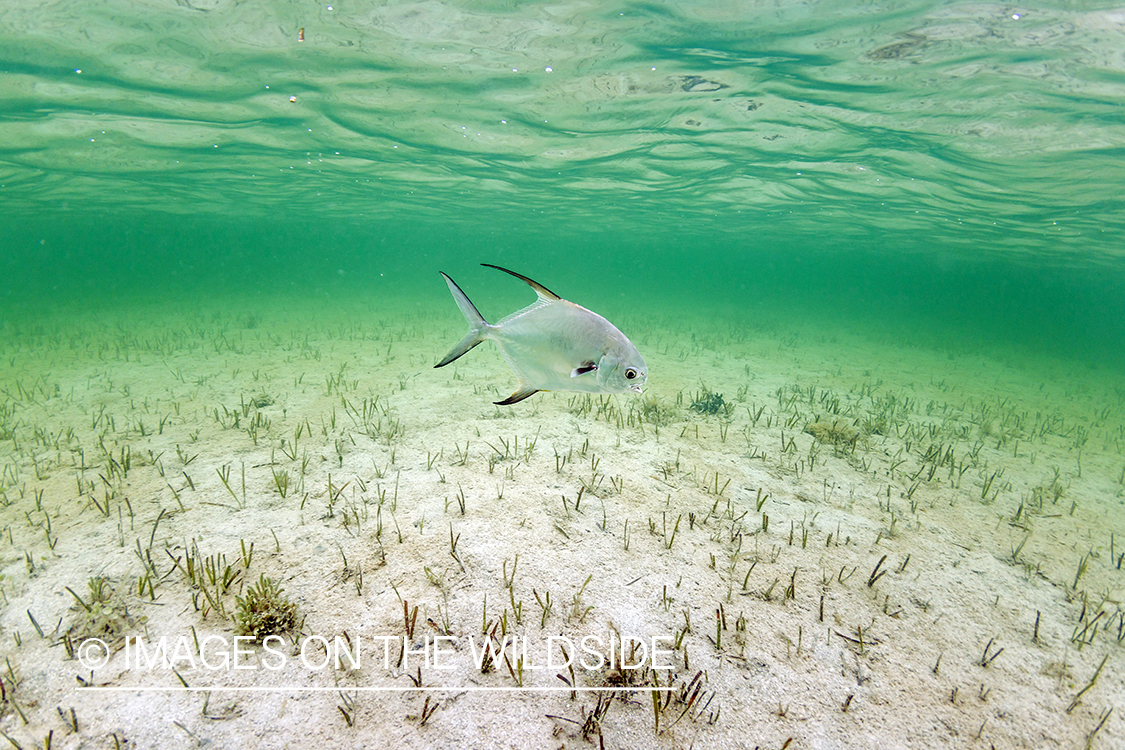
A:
(541, 290)
(523, 392)
(584, 368)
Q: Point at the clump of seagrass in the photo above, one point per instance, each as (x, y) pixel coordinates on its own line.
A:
(709, 402)
(264, 611)
(840, 434)
(654, 411)
(104, 616)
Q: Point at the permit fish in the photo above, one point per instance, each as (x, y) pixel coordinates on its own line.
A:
(553, 345)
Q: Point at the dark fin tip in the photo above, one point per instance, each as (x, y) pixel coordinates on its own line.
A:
(455, 354)
(515, 398)
(534, 284)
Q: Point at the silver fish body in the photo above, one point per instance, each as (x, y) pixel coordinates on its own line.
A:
(554, 345)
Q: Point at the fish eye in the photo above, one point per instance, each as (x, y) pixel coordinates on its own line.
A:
(630, 374)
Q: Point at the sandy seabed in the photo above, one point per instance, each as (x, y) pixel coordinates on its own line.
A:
(863, 544)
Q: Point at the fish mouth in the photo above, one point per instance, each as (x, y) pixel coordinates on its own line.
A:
(636, 389)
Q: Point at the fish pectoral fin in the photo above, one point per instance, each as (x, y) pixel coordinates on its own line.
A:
(523, 392)
(584, 368)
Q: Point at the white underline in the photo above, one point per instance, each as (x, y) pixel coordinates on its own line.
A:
(370, 689)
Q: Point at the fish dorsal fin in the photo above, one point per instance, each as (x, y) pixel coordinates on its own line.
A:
(541, 290)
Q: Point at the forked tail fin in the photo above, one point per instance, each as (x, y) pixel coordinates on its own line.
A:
(477, 324)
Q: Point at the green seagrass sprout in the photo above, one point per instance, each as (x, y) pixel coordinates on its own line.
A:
(104, 616)
(264, 611)
(709, 402)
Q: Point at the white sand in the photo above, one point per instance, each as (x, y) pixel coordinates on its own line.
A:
(862, 676)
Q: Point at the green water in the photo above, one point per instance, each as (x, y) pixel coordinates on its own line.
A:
(949, 167)
(888, 236)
